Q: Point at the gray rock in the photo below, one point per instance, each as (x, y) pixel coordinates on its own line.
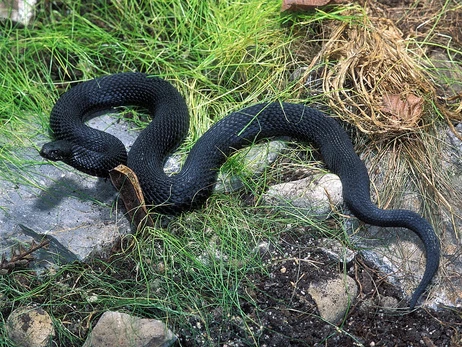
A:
(18, 10)
(314, 195)
(334, 297)
(77, 213)
(123, 330)
(31, 327)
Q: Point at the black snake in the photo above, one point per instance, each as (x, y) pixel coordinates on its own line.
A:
(96, 152)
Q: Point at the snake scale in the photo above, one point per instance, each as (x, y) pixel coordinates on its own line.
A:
(96, 152)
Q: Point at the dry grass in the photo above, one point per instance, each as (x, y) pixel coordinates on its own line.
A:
(375, 83)
(376, 70)
(370, 79)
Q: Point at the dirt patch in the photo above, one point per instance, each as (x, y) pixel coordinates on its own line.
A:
(421, 18)
(282, 313)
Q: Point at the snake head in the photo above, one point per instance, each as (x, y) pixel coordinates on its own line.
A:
(59, 150)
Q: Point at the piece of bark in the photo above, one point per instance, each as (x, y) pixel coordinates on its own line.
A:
(126, 182)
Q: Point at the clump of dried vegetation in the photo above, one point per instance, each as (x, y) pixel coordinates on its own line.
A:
(377, 78)
(374, 83)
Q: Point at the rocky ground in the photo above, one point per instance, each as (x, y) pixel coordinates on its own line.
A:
(289, 316)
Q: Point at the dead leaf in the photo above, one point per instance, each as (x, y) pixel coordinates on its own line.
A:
(406, 109)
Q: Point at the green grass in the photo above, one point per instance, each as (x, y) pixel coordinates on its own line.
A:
(215, 57)
(222, 56)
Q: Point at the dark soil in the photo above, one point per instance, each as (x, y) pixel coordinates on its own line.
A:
(283, 313)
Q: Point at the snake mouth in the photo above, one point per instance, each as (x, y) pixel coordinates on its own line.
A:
(56, 150)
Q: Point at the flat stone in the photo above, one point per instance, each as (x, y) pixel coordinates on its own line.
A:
(123, 330)
(76, 212)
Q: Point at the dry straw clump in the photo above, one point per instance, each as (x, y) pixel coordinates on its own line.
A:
(370, 79)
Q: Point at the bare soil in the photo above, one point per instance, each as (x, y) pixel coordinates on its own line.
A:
(285, 315)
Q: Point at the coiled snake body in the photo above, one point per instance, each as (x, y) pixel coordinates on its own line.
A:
(96, 152)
